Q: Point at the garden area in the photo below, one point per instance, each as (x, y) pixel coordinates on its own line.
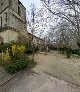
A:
(15, 57)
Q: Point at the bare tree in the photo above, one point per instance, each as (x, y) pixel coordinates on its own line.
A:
(68, 31)
(33, 9)
(66, 9)
(63, 35)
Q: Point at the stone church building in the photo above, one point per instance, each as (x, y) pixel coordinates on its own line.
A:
(12, 20)
(13, 23)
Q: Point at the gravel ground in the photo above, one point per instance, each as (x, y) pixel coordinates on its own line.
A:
(41, 79)
(59, 66)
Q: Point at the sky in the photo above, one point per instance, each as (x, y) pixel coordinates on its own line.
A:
(27, 4)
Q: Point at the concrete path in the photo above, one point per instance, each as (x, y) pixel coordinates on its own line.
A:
(4, 76)
(31, 82)
(40, 80)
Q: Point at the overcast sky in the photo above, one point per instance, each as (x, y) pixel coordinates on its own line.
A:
(27, 4)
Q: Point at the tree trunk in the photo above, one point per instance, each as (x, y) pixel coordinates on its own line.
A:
(68, 53)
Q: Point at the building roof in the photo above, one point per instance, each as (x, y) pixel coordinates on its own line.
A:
(22, 4)
(35, 36)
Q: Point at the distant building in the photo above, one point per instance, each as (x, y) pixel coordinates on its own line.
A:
(12, 18)
(37, 41)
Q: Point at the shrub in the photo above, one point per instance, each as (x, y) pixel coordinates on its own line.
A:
(77, 52)
(18, 64)
(29, 50)
(3, 47)
(7, 58)
(14, 49)
(14, 57)
(21, 49)
(17, 50)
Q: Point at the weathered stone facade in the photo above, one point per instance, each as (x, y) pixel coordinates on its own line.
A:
(37, 41)
(12, 14)
(8, 36)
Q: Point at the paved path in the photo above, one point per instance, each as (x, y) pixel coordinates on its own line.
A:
(4, 76)
(31, 82)
(40, 80)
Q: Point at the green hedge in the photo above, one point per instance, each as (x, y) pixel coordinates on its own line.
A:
(18, 64)
(14, 67)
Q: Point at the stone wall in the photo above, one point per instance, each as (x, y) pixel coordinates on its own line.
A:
(9, 35)
(10, 16)
(17, 6)
(22, 11)
(5, 18)
(3, 4)
(16, 21)
(37, 41)
(13, 16)
(14, 5)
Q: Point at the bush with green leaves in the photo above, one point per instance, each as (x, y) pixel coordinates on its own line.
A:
(18, 64)
(29, 50)
(18, 50)
(76, 51)
(3, 47)
(15, 58)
